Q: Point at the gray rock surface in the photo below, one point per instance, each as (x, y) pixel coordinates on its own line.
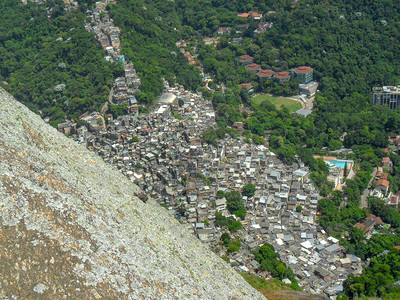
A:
(71, 227)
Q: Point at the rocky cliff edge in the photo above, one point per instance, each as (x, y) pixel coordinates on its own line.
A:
(72, 227)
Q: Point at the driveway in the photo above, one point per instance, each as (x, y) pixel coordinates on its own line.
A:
(364, 196)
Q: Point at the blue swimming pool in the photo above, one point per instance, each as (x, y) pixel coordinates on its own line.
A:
(339, 162)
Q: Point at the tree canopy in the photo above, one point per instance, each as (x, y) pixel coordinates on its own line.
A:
(40, 53)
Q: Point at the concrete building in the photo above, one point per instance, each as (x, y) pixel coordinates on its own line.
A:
(304, 73)
(166, 98)
(244, 60)
(255, 68)
(266, 74)
(386, 95)
(248, 87)
(282, 77)
(309, 89)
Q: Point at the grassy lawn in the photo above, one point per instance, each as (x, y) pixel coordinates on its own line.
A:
(262, 284)
(291, 105)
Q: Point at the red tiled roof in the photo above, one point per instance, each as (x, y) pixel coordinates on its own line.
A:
(245, 58)
(375, 218)
(385, 159)
(251, 13)
(383, 182)
(238, 124)
(394, 200)
(282, 75)
(361, 226)
(252, 67)
(265, 73)
(382, 175)
(246, 85)
(243, 15)
(386, 150)
(379, 221)
(303, 70)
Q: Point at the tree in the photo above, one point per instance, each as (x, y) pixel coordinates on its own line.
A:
(345, 170)
(335, 144)
(182, 210)
(230, 222)
(133, 140)
(281, 268)
(220, 194)
(119, 110)
(249, 190)
(233, 225)
(299, 208)
(234, 201)
(225, 238)
(356, 235)
(233, 248)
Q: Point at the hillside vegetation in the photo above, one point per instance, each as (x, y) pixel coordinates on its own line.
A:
(39, 53)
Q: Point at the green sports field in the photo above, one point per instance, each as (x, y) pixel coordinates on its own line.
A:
(279, 102)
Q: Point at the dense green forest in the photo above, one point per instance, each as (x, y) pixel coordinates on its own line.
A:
(352, 47)
(377, 279)
(41, 52)
(350, 53)
(148, 40)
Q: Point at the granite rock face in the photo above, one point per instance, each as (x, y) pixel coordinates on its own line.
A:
(71, 227)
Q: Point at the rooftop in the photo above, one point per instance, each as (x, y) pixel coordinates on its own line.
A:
(303, 70)
(387, 89)
(282, 75)
(253, 67)
(309, 86)
(265, 73)
(246, 85)
(166, 98)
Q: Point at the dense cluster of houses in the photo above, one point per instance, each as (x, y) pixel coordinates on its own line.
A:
(182, 46)
(164, 154)
(68, 4)
(381, 183)
(320, 263)
(240, 29)
(261, 28)
(107, 34)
